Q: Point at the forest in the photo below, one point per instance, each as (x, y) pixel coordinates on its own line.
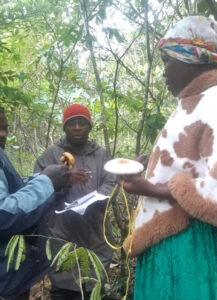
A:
(99, 53)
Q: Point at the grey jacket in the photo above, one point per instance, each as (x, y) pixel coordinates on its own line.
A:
(86, 230)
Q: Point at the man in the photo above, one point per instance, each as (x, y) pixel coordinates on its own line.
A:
(21, 207)
(84, 230)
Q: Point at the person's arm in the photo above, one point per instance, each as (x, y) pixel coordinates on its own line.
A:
(21, 210)
(197, 196)
(135, 184)
(48, 158)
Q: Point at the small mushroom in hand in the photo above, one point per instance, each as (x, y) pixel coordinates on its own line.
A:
(68, 160)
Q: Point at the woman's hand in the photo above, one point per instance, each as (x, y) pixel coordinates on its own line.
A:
(135, 184)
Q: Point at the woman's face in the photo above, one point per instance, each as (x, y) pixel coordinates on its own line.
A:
(178, 74)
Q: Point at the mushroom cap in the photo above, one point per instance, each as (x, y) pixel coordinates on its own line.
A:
(123, 166)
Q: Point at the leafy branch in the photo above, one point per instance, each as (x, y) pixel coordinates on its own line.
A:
(67, 258)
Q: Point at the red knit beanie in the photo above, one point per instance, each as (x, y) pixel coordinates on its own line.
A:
(76, 110)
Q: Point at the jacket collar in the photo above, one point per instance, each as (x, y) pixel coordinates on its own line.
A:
(200, 84)
(90, 147)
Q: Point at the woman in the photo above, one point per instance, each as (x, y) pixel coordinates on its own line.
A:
(175, 237)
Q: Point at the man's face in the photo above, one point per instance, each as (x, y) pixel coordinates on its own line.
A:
(77, 131)
(3, 130)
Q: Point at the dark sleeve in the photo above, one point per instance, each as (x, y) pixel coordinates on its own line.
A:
(49, 157)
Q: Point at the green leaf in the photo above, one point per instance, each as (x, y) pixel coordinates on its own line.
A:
(79, 254)
(21, 76)
(102, 12)
(151, 120)
(10, 250)
(61, 255)
(203, 6)
(70, 262)
(3, 78)
(89, 279)
(48, 250)
(20, 252)
(98, 266)
(82, 255)
(9, 245)
(96, 292)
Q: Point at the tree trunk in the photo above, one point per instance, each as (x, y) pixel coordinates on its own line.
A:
(96, 73)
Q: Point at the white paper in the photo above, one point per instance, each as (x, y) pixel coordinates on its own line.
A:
(80, 205)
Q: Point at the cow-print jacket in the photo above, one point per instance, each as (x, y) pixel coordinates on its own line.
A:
(184, 157)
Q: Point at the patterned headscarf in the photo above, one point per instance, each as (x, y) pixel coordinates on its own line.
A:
(192, 40)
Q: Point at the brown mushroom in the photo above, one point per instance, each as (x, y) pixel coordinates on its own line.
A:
(68, 160)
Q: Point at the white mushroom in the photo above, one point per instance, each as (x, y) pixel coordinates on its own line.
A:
(123, 166)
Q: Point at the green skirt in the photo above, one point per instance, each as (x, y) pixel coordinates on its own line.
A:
(181, 267)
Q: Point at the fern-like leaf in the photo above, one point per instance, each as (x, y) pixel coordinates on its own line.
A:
(89, 279)
(23, 257)
(59, 253)
(96, 292)
(48, 250)
(11, 250)
(71, 261)
(61, 256)
(98, 266)
(20, 251)
(83, 261)
(9, 245)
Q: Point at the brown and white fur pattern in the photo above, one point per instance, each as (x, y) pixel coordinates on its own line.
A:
(184, 158)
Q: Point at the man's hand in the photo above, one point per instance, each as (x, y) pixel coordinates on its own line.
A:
(59, 175)
(80, 176)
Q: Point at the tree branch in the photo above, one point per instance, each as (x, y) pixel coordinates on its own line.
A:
(96, 72)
